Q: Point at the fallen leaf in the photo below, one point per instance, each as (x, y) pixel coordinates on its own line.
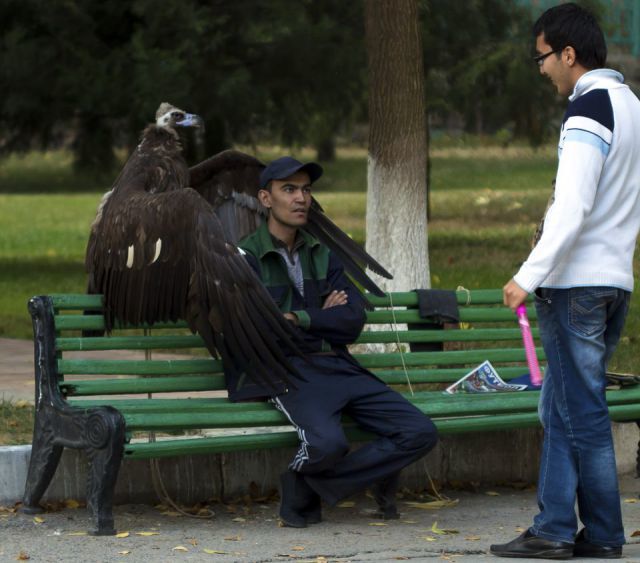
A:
(409, 521)
(23, 556)
(635, 534)
(214, 551)
(492, 493)
(122, 535)
(71, 503)
(472, 538)
(125, 552)
(233, 538)
(297, 548)
(442, 532)
(347, 504)
(147, 533)
(193, 541)
(179, 548)
(38, 520)
(433, 505)
(631, 500)
(429, 538)
(519, 529)
(377, 524)
(238, 519)
(78, 534)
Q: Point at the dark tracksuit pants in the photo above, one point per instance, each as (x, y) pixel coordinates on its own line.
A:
(334, 387)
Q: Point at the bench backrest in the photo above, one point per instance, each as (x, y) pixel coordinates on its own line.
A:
(487, 331)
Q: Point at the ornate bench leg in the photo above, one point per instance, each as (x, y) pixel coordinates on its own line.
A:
(45, 456)
(106, 434)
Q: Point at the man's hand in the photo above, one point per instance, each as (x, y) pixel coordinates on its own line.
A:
(292, 317)
(513, 295)
(334, 299)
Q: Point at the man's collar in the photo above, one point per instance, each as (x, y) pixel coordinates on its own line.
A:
(297, 243)
(596, 78)
(267, 243)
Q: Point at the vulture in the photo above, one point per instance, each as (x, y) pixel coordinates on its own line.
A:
(162, 248)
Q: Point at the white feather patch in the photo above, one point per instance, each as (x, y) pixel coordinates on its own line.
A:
(158, 250)
(130, 257)
(241, 251)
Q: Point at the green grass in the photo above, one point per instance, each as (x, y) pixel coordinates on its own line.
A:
(16, 422)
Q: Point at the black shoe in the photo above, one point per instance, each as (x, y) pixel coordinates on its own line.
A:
(583, 548)
(313, 512)
(299, 504)
(534, 547)
(384, 494)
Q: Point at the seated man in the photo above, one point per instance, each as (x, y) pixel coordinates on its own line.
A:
(308, 283)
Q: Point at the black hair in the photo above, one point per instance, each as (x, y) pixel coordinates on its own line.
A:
(569, 25)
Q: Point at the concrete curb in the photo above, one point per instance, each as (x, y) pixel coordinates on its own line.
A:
(490, 458)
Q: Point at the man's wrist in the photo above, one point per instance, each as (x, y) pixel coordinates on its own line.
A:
(304, 320)
(292, 317)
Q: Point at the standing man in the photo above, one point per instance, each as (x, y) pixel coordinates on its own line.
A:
(581, 273)
(308, 283)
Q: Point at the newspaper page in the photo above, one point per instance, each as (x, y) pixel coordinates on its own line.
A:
(483, 379)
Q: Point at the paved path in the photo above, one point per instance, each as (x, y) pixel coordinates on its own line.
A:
(250, 533)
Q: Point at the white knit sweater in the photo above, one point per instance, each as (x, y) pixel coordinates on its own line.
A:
(590, 229)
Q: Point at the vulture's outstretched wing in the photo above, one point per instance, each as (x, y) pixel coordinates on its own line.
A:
(230, 182)
(163, 256)
(352, 255)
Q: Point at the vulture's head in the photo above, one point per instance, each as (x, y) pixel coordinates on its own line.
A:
(170, 117)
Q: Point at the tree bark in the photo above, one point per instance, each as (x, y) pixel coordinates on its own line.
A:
(397, 160)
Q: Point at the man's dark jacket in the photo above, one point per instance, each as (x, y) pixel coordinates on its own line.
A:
(323, 330)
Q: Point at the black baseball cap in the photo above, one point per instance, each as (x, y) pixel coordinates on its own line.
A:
(286, 166)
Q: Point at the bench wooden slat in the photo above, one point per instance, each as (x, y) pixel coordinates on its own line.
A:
(459, 425)
(71, 344)
(407, 298)
(486, 314)
(438, 402)
(434, 404)
(132, 385)
(457, 357)
(370, 360)
(444, 375)
(138, 367)
(180, 341)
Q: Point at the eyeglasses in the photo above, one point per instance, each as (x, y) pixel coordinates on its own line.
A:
(539, 59)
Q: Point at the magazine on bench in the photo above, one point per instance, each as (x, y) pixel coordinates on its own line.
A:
(483, 379)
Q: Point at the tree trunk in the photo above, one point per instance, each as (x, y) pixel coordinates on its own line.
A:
(397, 162)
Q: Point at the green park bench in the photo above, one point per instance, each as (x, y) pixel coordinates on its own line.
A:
(71, 410)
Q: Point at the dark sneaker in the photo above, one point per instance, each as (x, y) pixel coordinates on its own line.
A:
(533, 547)
(384, 493)
(582, 548)
(299, 504)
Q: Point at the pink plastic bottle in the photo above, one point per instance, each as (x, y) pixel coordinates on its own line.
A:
(529, 347)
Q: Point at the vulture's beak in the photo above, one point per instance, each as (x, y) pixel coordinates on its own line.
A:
(191, 120)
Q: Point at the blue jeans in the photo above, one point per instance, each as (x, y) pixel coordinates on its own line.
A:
(579, 329)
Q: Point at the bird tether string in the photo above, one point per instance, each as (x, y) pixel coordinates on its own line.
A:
(154, 466)
(467, 292)
(398, 345)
